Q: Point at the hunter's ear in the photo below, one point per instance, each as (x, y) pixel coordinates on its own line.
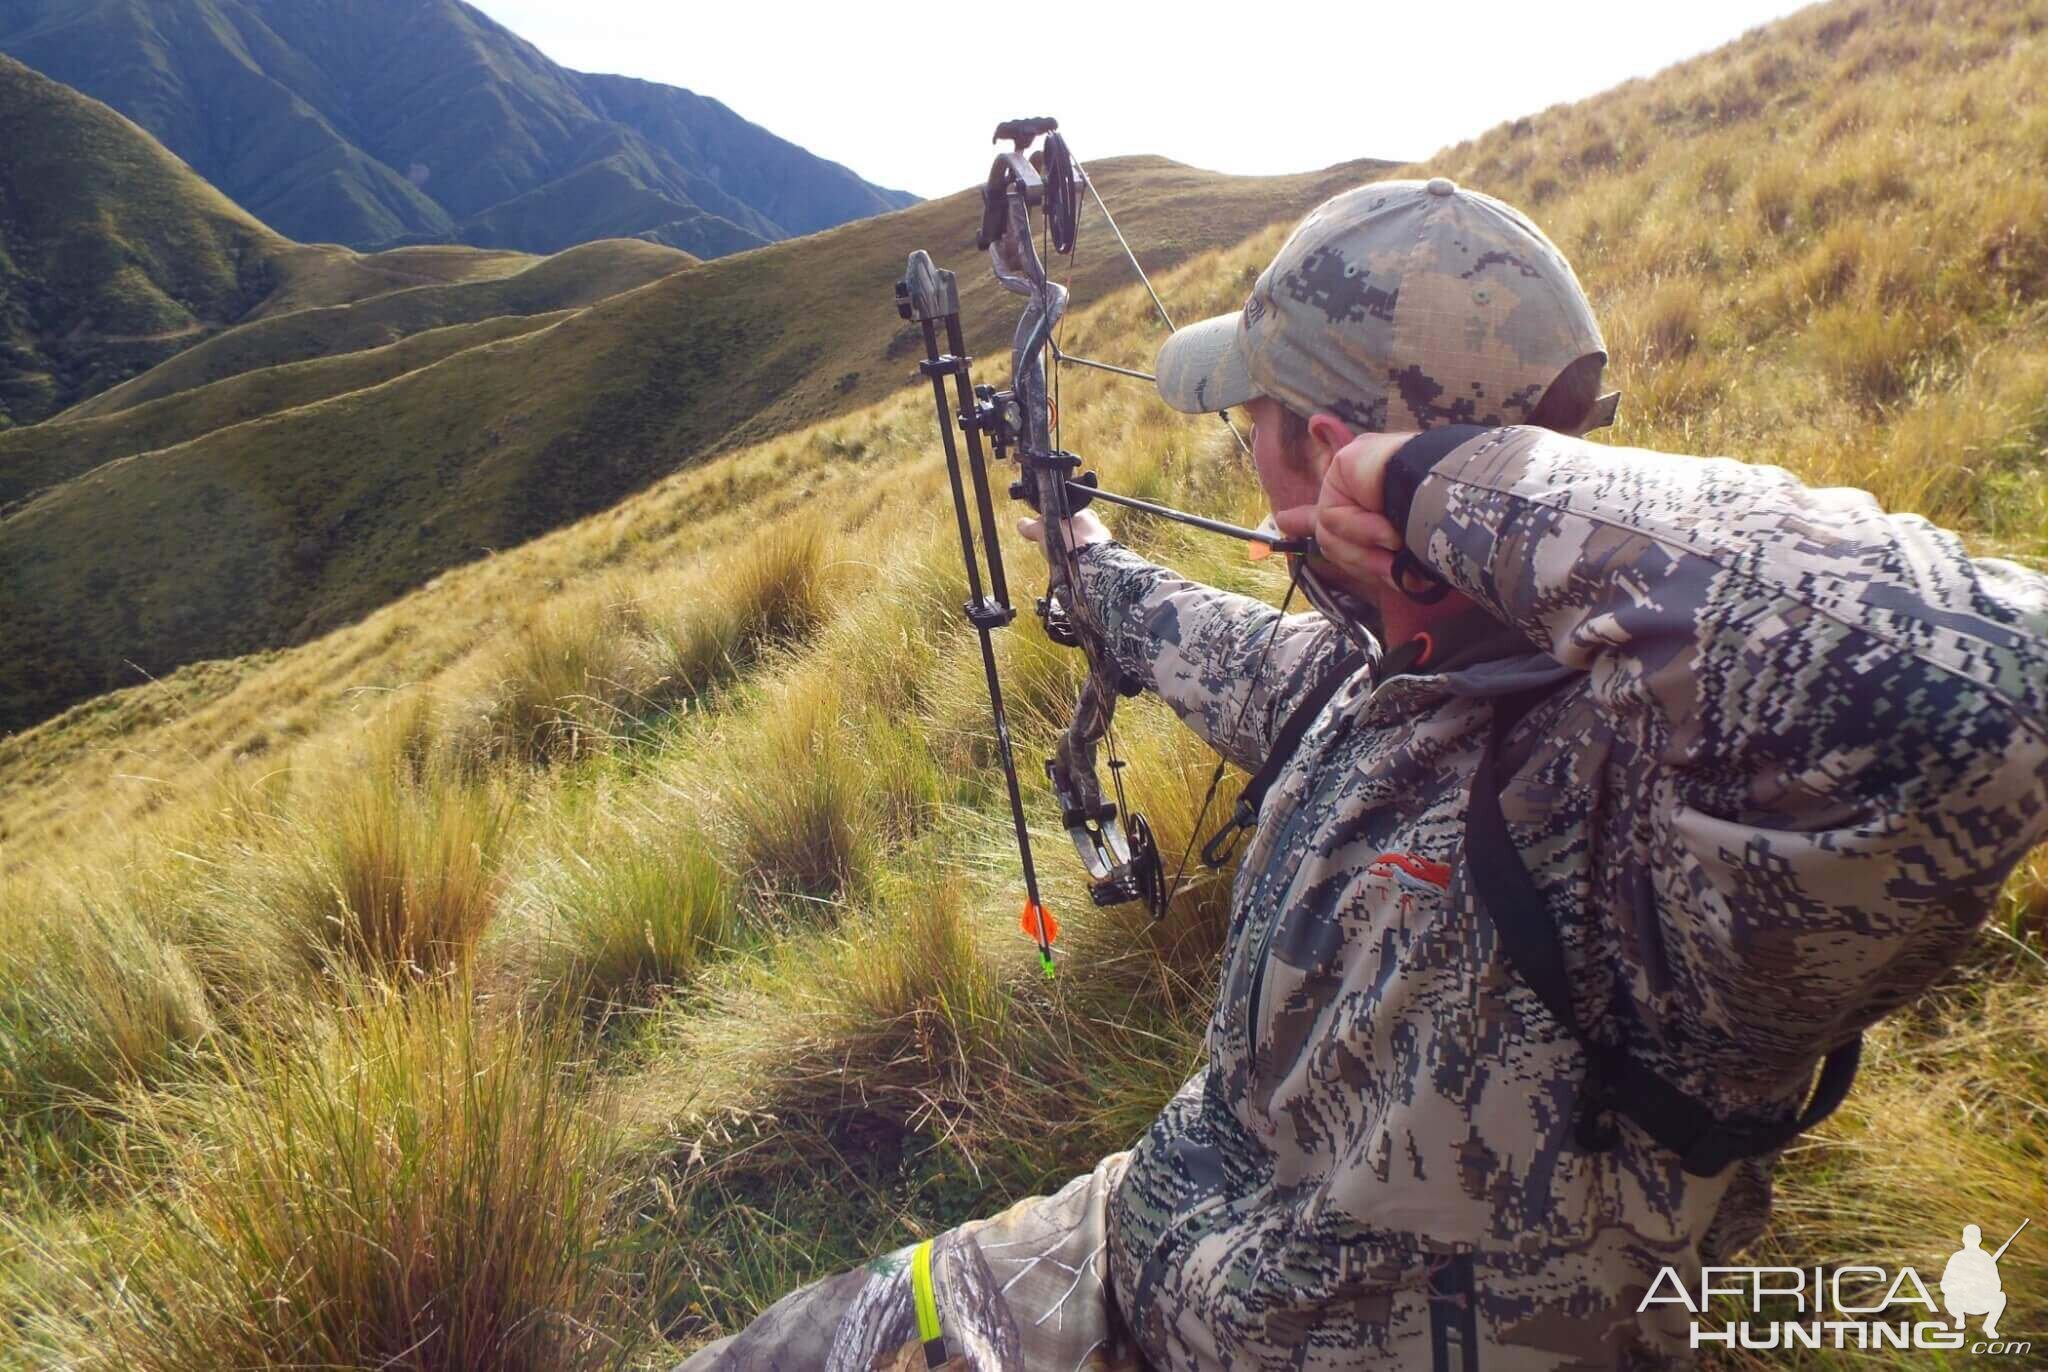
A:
(1326, 434)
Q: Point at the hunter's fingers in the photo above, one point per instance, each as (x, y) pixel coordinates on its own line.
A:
(1357, 472)
(1357, 528)
(1033, 528)
(1370, 564)
(1359, 543)
(1361, 546)
(1296, 520)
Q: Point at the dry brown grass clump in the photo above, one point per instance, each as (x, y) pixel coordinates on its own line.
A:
(588, 670)
(410, 1187)
(93, 1003)
(398, 874)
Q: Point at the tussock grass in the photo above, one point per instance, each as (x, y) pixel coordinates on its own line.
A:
(390, 872)
(93, 1003)
(1670, 326)
(590, 669)
(621, 920)
(893, 1025)
(565, 684)
(412, 1187)
(775, 592)
(802, 816)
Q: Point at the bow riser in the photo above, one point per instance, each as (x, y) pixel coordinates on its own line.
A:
(1118, 870)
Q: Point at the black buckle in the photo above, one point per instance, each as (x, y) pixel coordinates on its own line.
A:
(1594, 1129)
(1222, 845)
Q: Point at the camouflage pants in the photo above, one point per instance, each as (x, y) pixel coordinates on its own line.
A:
(1025, 1289)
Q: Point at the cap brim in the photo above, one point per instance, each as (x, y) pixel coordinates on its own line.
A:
(1203, 367)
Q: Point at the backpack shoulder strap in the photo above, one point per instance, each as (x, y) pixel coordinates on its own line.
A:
(1217, 851)
(1616, 1084)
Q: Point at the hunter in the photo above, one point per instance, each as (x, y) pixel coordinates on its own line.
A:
(1605, 800)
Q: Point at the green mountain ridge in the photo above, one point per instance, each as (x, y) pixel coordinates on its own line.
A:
(277, 529)
(381, 123)
(570, 279)
(44, 455)
(113, 256)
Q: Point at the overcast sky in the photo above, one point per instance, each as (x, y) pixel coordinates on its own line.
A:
(907, 96)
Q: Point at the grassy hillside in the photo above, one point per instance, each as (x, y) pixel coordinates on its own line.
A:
(113, 255)
(272, 532)
(620, 929)
(48, 454)
(371, 122)
(569, 280)
(328, 274)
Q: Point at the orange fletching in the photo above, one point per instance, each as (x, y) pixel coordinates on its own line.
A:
(1033, 914)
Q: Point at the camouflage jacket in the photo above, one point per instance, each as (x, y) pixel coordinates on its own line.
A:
(1794, 747)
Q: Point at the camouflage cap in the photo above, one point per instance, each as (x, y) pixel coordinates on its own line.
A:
(1396, 306)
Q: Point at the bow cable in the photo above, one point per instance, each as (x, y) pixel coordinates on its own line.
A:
(1157, 304)
(1060, 225)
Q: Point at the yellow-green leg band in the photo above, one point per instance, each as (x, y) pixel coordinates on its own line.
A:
(927, 1305)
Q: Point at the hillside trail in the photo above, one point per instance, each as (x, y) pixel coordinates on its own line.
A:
(197, 326)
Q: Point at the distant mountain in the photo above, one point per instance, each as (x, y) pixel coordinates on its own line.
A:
(113, 255)
(380, 122)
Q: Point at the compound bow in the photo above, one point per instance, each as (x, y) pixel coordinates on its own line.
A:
(1114, 842)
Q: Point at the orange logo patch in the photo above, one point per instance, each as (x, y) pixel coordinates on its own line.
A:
(1437, 874)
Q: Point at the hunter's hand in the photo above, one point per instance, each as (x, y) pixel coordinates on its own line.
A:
(1083, 529)
(1349, 518)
